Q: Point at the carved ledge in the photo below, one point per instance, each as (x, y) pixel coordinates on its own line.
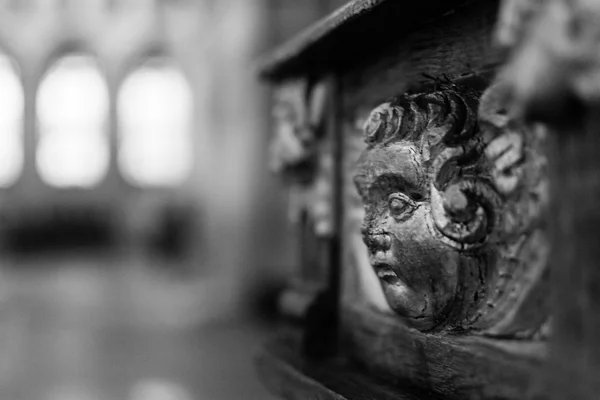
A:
(454, 195)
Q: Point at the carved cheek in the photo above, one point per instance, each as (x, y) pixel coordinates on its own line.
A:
(376, 219)
(424, 263)
(411, 243)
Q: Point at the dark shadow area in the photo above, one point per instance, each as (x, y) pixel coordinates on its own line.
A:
(61, 230)
(175, 232)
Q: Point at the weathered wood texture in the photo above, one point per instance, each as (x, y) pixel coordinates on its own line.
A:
(357, 30)
(454, 367)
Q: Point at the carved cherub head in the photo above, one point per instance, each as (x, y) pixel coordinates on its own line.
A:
(428, 208)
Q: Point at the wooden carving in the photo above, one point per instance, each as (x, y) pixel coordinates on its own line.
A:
(298, 112)
(302, 153)
(453, 210)
(554, 63)
(301, 150)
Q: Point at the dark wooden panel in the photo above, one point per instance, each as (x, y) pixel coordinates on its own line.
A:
(354, 32)
(457, 44)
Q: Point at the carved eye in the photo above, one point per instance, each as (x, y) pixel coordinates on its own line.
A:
(401, 205)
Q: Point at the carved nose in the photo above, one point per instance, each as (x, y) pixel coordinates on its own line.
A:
(379, 242)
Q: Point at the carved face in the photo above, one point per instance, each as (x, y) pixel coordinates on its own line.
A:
(417, 271)
(452, 211)
(428, 212)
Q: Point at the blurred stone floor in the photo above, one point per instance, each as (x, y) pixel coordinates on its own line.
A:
(80, 328)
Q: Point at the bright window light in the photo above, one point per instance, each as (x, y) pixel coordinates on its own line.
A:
(72, 109)
(155, 116)
(11, 122)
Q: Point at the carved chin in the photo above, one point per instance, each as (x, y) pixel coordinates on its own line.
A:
(423, 301)
(413, 307)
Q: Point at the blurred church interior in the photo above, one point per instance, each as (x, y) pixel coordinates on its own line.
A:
(142, 237)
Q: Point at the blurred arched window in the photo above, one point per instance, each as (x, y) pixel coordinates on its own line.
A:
(155, 106)
(11, 121)
(72, 110)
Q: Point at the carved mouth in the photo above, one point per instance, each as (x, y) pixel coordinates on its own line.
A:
(385, 272)
(382, 262)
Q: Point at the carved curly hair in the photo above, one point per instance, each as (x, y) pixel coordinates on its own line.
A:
(442, 123)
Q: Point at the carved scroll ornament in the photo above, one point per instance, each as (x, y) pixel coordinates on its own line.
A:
(452, 211)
